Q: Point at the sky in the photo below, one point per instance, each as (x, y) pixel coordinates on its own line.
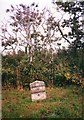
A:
(5, 4)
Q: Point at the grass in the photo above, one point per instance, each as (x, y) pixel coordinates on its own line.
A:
(60, 103)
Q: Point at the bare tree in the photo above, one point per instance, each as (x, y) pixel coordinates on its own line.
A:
(18, 32)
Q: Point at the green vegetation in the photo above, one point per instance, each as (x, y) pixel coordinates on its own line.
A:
(60, 103)
(59, 69)
(36, 32)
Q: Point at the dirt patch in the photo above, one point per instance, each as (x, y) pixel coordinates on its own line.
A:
(36, 107)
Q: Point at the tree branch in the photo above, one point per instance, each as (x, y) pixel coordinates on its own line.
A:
(62, 33)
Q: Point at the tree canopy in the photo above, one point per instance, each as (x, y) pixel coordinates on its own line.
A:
(32, 35)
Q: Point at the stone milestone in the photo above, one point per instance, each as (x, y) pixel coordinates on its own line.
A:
(37, 90)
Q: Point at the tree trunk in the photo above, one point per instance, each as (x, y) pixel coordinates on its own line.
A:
(19, 85)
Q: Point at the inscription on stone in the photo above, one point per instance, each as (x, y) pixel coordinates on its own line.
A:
(37, 90)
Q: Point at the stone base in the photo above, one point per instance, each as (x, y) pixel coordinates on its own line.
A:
(38, 96)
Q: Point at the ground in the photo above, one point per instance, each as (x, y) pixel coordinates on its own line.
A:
(61, 102)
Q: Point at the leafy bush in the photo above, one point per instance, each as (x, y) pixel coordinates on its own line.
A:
(59, 80)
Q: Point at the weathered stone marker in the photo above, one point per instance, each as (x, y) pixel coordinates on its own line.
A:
(37, 90)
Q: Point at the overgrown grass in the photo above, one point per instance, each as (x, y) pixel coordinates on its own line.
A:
(60, 103)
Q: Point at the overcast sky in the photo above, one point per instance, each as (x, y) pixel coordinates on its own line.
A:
(4, 4)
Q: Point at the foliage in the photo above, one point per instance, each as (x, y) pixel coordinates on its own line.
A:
(60, 71)
(35, 31)
(75, 35)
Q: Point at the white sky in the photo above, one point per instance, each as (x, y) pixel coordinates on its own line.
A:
(5, 4)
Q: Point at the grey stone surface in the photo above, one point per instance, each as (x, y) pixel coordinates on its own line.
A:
(37, 90)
